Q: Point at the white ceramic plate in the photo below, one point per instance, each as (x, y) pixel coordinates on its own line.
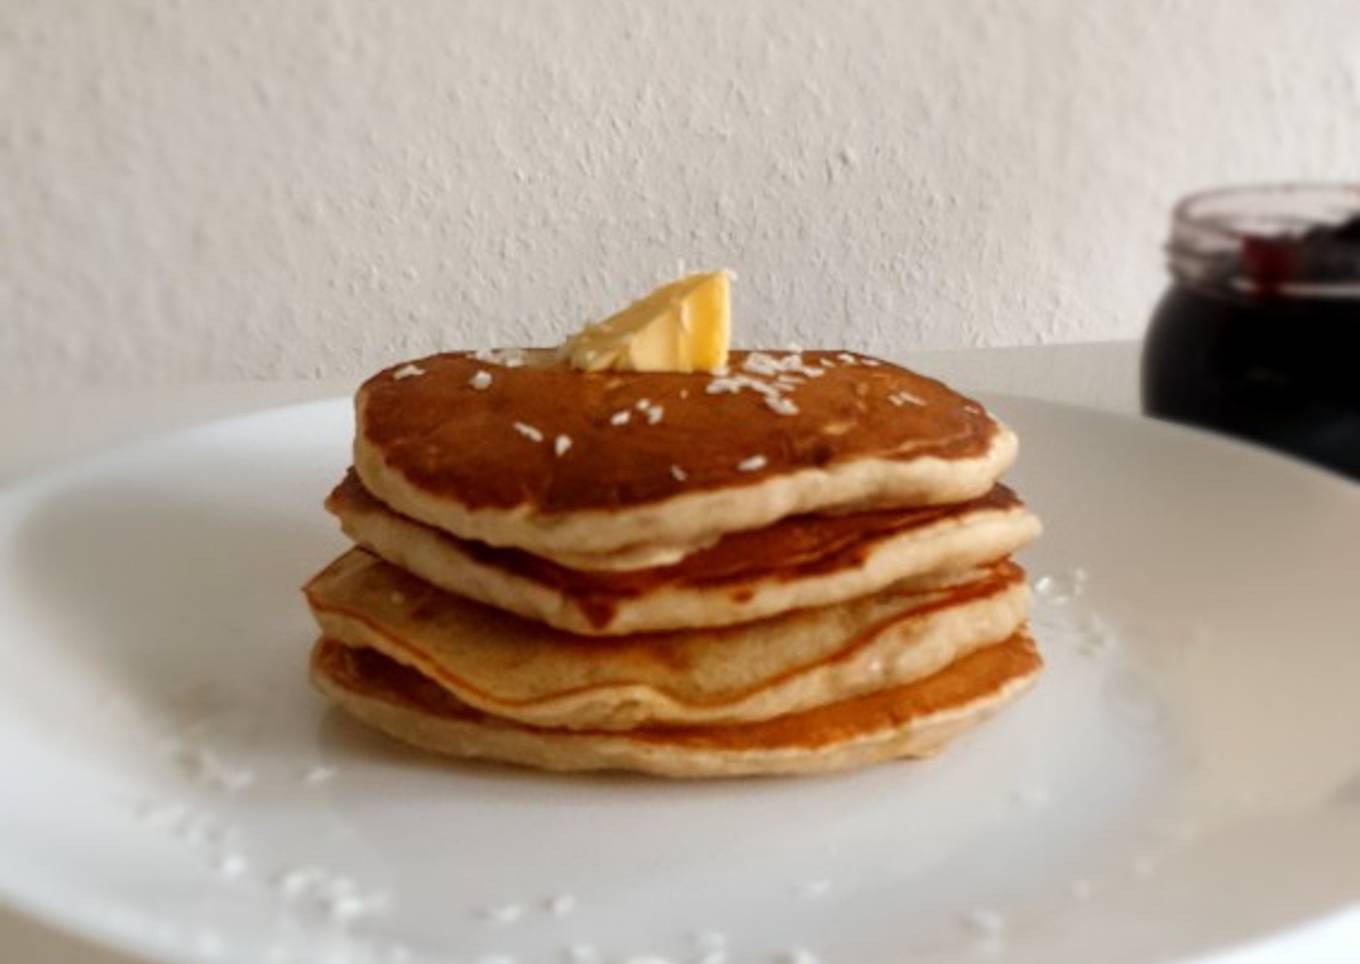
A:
(1185, 778)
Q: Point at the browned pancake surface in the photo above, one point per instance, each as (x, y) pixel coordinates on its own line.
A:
(459, 443)
(369, 673)
(649, 657)
(794, 547)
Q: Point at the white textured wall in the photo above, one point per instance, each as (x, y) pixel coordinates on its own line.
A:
(266, 188)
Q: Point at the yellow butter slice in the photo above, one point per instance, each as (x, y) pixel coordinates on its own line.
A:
(684, 326)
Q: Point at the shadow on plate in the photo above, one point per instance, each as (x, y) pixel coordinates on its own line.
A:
(190, 610)
(346, 742)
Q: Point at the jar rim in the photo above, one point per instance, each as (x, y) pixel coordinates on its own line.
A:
(1287, 238)
(1338, 198)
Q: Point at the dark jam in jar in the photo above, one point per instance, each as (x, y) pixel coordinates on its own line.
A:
(1259, 333)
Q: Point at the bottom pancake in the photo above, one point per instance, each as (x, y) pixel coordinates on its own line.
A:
(913, 720)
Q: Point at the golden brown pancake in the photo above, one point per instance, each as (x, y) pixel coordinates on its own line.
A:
(482, 459)
(796, 565)
(800, 561)
(910, 720)
(525, 671)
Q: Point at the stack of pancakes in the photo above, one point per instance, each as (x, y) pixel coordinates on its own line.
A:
(798, 565)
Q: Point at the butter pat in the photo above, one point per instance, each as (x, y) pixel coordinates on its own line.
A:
(684, 326)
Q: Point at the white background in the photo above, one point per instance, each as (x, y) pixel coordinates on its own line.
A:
(199, 190)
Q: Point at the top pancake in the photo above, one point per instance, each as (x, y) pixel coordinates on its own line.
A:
(485, 463)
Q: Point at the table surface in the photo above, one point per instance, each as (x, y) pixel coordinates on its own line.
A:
(43, 430)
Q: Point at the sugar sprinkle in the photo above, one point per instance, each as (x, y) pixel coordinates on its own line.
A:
(620, 417)
(814, 889)
(654, 414)
(480, 381)
(561, 905)
(770, 377)
(709, 940)
(292, 883)
(508, 357)
(529, 432)
(561, 445)
(906, 398)
(1030, 797)
(345, 905)
(753, 464)
(678, 473)
(205, 767)
(339, 897)
(985, 922)
(231, 866)
(732, 384)
(407, 371)
(759, 363)
(504, 914)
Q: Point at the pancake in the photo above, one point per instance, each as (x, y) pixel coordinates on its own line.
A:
(539, 456)
(528, 672)
(907, 721)
(795, 563)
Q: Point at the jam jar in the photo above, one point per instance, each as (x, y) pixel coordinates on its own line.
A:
(1258, 334)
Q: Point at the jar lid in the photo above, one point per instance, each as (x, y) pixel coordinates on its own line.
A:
(1298, 240)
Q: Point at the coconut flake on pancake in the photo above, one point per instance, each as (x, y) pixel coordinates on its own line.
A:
(438, 450)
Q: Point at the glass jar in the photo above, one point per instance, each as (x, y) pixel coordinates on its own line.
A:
(1259, 332)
